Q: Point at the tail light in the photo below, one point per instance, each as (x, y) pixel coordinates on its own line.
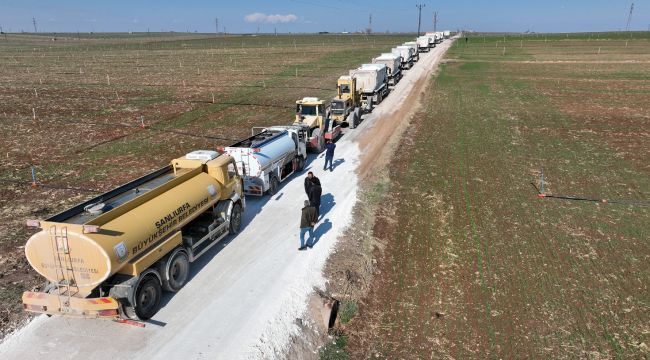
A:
(37, 308)
(107, 313)
(33, 223)
(88, 229)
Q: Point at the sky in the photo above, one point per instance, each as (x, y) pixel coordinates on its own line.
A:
(251, 16)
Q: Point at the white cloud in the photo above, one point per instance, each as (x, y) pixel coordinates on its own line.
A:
(271, 19)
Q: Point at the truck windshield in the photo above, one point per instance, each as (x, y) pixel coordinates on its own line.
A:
(307, 109)
(338, 107)
(345, 88)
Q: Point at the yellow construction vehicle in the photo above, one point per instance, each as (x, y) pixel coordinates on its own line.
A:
(346, 106)
(311, 112)
(111, 256)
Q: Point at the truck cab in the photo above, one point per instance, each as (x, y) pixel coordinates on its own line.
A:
(345, 106)
(310, 111)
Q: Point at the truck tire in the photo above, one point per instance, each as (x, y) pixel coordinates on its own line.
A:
(301, 163)
(273, 185)
(235, 219)
(147, 299)
(317, 134)
(176, 270)
(357, 116)
(352, 121)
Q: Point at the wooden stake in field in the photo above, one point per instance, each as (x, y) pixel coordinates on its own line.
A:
(35, 93)
(213, 98)
(108, 80)
(34, 114)
(142, 121)
(504, 51)
(599, 50)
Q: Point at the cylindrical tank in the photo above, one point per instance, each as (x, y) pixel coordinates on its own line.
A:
(257, 157)
(142, 222)
(406, 52)
(391, 61)
(413, 45)
(370, 77)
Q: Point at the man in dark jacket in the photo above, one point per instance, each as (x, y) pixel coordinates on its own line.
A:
(309, 181)
(307, 221)
(329, 154)
(314, 197)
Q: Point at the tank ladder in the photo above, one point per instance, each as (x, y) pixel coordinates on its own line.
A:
(66, 284)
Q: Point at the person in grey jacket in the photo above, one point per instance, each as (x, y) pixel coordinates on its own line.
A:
(308, 219)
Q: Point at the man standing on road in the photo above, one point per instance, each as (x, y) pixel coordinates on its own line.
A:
(309, 181)
(314, 197)
(329, 154)
(307, 221)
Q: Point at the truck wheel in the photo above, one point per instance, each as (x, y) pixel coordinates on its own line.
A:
(235, 219)
(176, 271)
(147, 299)
(357, 116)
(317, 134)
(273, 185)
(352, 121)
(301, 163)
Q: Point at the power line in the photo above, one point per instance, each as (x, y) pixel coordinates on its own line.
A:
(420, 6)
(435, 21)
(629, 18)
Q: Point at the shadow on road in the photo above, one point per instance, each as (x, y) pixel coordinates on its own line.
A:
(321, 230)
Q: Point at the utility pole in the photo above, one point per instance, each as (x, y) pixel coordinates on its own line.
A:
(370, 24)
(419, 6)
(435, 21)
(216, 25)
(629, 18)
(34, 22)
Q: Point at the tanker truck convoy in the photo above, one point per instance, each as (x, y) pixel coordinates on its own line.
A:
(110, 257)
(392, 62)
(270, 156)
(406, 54)
(372, 83)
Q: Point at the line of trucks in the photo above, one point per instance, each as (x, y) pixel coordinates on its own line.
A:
(112, 256)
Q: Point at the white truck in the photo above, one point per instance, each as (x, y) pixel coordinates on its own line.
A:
(371, 83)
(413, 45)
(406, 52)
(269, 157)
(392, 62)
(447, 34)
(433, 39)
(423, 43)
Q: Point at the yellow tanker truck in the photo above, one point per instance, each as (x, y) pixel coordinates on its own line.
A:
(111, 256)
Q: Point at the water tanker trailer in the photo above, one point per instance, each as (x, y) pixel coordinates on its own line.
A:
(111, 256)
(392, 62)
(270, 156)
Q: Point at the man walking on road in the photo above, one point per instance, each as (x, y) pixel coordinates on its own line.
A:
(329, 154)
(309, 181)
(314, 197)
(307, 221)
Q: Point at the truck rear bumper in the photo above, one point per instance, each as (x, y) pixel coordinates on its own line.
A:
(51, 304)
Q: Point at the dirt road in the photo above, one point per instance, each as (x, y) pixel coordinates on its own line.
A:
(244, 296)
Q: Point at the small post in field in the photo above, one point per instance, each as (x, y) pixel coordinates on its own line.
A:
(213, 98)
(35, 93)
(34, 182)
(142, 121)
(34, 114)
(108, 79)
(296, 72)
(504, 51)
(599, 50)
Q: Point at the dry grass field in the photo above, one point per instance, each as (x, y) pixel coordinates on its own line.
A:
(475, 264)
